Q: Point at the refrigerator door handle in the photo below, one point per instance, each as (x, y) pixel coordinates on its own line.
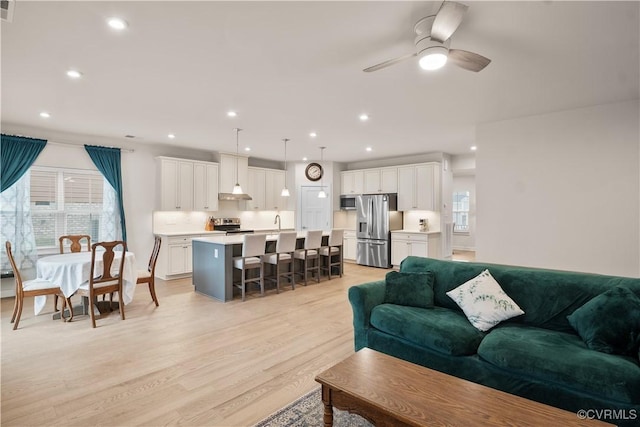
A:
(370, 216)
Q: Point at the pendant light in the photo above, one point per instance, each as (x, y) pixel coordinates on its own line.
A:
(285, 190)
(236, 193)
(236, 188)
(322, 194)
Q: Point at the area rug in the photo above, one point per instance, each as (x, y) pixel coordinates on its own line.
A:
(308, 411)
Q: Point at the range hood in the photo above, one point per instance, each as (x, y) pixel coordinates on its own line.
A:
(231, 196)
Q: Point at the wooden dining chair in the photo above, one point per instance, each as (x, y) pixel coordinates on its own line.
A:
(311, 252)
(76, 242)
(104, 282)
(253, 246)
(30, 288)
(74, 246)
(148, 275)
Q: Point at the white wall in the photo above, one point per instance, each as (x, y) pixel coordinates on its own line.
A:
(561, 190)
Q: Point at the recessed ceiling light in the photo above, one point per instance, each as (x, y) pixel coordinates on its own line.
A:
(369, 149)
(232, 114)
(474, 148)
(313, 134)
(304, 159)
(364, 117)
(247, 149)
(45, 115)
(74, 74)
(117, 23)
(171, 136)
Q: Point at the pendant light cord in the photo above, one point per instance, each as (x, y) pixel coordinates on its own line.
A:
(237, 153)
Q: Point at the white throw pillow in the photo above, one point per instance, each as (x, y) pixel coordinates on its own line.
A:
(484, 302)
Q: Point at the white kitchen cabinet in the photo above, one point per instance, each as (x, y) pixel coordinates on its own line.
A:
(419, 187)
(176, 184)
(274, 183)
(349, 245)
(256, 189)
(379, 181)
(404, 244)
(175, 257)
(352, 182)
(228, 172)
(205, 186)
(265, 188)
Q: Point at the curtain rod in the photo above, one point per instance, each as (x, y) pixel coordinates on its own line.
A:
(124, 150)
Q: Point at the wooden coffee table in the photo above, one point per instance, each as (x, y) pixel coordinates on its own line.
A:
(392, 392)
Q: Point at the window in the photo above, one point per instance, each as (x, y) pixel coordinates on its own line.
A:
(65, 201)
(461, 212)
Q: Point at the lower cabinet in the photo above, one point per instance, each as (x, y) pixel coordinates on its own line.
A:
(404, 244)
(175, 257)
(349, 245)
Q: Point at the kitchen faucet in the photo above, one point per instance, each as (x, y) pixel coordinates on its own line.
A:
(277, 221)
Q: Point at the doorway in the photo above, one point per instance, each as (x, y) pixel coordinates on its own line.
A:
(315, 213)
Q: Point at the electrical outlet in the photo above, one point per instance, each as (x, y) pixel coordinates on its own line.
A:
(215, 253)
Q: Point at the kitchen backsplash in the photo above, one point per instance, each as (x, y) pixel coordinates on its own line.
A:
(412, 220)
(188, 222)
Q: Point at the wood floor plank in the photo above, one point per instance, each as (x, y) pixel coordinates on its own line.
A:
(193, 361)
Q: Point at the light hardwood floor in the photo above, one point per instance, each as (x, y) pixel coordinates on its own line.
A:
(192, 361)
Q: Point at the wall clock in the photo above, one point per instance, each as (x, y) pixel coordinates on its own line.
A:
(313, 171)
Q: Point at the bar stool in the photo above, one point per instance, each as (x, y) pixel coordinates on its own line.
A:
(311, 251)
(251, 259)
(285, 246)
(332, 251)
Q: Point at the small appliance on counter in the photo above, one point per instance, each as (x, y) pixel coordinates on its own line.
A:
(424, 224)
(230, 225)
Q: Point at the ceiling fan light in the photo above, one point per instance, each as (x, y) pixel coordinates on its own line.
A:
(433, 59)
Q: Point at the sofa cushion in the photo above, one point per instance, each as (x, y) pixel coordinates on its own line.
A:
(561, 358)
(412, 289)
(546, 296)
(484, 302)
(439, 329)
(610, 322)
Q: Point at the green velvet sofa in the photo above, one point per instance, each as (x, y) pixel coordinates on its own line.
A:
(537, 355)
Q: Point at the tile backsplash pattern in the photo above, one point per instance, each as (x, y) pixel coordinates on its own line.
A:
(190, 222)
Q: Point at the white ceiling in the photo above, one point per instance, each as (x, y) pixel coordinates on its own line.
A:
(292, 67)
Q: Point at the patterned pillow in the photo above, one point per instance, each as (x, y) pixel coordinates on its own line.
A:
(484, 302)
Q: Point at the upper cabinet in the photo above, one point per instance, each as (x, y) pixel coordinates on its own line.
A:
(228, 172)
(264, 187)
(379, 181)
(352, 182)
(187, 185)
(176, 184)
(205, 186)
(419, 187)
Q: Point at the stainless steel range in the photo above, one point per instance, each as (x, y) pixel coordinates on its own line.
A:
(230, 225)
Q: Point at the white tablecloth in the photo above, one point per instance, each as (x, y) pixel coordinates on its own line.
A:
(71, 270)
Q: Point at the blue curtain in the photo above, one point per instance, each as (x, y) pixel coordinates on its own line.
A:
(107, 160)
(18, 154)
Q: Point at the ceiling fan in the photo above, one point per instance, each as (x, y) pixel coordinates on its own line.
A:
(433, 36)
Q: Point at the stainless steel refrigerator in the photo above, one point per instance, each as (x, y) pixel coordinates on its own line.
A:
(376, 217)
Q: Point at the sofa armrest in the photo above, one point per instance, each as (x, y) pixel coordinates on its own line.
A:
(363, 299)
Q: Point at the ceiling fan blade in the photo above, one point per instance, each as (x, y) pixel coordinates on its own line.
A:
(389, 63)
(468, 60)
(447, 20)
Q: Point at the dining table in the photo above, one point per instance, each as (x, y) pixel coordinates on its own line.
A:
(71, 270)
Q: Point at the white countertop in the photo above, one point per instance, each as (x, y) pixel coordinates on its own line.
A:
(415, 232)
(188, 233)
(237, 239)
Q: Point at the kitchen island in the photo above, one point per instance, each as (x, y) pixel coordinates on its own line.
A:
(213, 262)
